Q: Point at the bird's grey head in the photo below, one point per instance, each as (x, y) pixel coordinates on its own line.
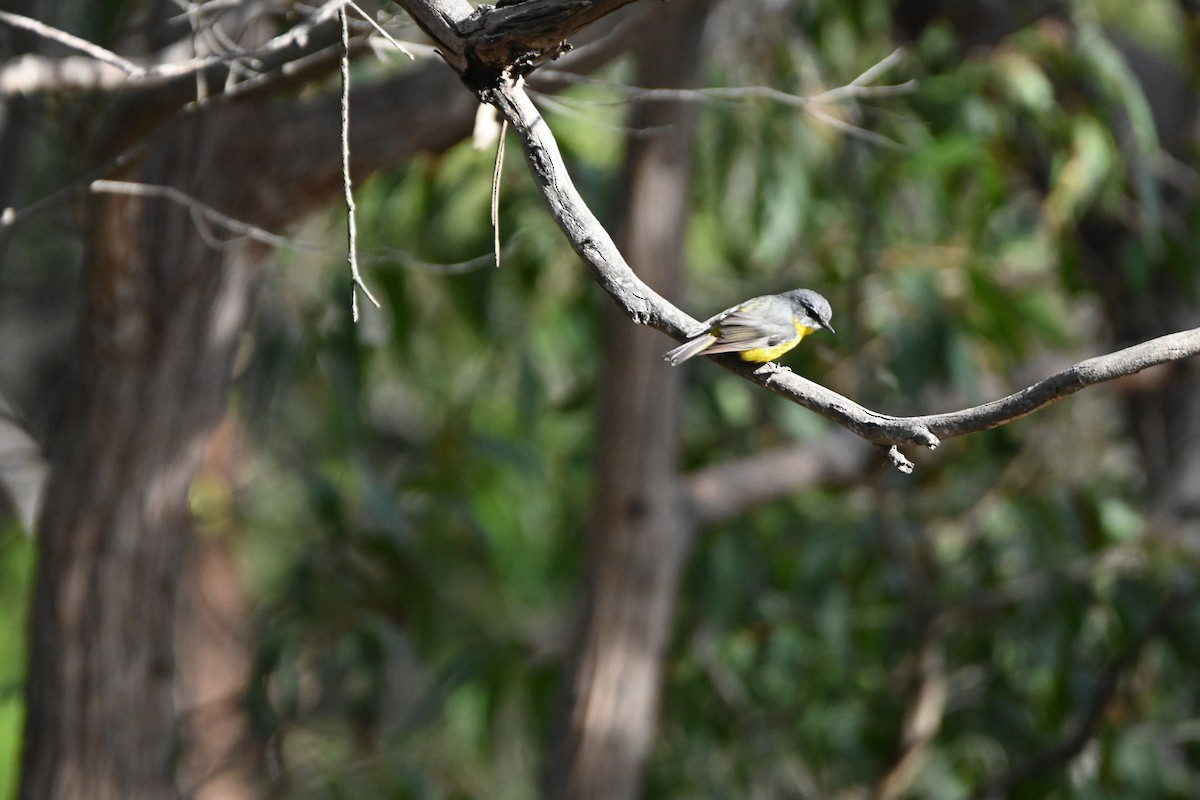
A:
(811, 308)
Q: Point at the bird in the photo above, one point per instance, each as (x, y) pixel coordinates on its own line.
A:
(760, 329)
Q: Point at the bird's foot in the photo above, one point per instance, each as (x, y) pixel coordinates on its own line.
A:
(770, 368)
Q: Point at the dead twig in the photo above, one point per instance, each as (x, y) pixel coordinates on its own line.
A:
(357, 284)
(74, 42)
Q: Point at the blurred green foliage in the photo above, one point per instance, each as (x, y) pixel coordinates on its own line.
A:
(16, 581)
(416, 489)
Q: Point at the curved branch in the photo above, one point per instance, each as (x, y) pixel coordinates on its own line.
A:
(448, 22)
(930, 429)
(646, 307)
(1131, 360)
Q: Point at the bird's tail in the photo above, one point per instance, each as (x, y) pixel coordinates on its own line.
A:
(690, 348)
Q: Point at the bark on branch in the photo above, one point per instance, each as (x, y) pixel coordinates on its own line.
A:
(481, 43)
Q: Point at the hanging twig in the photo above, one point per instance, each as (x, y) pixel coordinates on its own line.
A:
(496, 192)
(351, 228)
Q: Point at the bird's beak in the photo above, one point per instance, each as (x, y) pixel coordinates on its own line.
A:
(828, 327)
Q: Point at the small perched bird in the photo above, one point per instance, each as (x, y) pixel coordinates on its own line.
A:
(760, 329)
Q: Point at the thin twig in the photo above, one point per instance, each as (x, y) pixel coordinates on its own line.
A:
(74, 42)
(837, 94)
(562, 105)
(32, 74)
(381, 31)
(897, 459)
(496, 192)
(852, 130)
(11, 218)
(878, 68)
(351, 227)
(198, 207)
(404, 260)
(810, 105)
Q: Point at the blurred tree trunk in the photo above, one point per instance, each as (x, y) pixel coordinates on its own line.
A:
(165, 311)
(166, 306)
(640, 532)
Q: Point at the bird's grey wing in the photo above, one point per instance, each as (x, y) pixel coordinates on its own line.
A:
(739, 346)
(755, 323)
(743, 308)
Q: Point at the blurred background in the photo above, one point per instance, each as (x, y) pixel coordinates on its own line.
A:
(485, 543)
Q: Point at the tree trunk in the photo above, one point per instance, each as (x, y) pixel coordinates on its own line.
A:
(165, 313)
(640, 533)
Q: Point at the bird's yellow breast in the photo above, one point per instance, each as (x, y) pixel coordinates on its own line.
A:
(763, 354)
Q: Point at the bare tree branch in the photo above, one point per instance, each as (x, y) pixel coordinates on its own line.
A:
(449, 23)
(723, 491)
(646, 307)
(203, 212)
(198, 209)
(508, 33)
(497, 172)
(74, 42)
(103, 69)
